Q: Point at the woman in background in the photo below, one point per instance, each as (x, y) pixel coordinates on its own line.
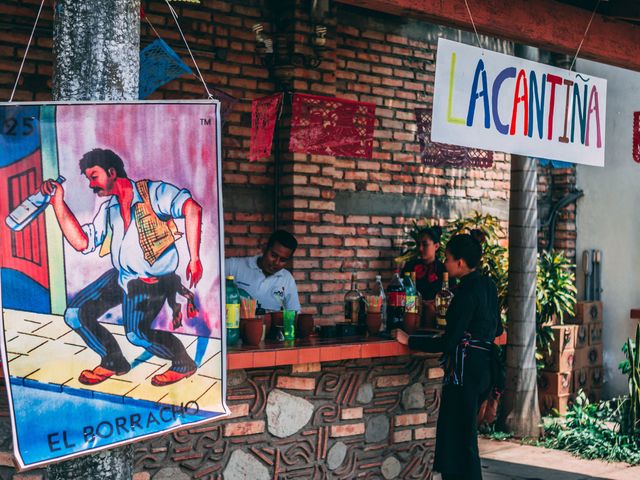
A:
(427, 267)
(473, 321)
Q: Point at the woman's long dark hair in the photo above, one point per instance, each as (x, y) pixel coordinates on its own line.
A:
(467, 247)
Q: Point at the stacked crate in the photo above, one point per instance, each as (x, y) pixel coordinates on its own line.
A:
(588, 371)
(575, 360)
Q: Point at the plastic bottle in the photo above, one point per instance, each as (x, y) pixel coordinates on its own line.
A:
(395, 303)
(410, 302)
(378, 291)
(232, 311)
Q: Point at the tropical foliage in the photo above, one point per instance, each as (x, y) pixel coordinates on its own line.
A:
(555, 289)
(555, 297)
(630, 423)
(494, 258)
(592, 430)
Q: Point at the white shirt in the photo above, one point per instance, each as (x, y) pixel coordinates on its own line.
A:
(126, 253)
(249, 276)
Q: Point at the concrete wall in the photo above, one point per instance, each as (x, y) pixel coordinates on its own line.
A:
(608, 217)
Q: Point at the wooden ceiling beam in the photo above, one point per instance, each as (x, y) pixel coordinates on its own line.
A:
(546, 24)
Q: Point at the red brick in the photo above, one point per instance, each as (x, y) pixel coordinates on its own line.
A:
(410, 419)
(392, 381)
(424, 433)
(306, 368)
(238, 410)
(243, 428)
(400, 436)
(296, 383)
(351, 413)
(347, 430)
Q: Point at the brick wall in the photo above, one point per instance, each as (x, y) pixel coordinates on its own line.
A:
(347, 419)
(345, 211)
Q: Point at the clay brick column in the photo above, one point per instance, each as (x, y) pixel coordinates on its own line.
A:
(306, 185)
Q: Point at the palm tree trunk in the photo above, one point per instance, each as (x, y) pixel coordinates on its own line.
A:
(96, 47)
(521, 412)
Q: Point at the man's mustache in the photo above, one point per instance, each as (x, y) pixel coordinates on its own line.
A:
(96, 189)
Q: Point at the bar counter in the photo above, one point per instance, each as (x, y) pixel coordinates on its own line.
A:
(312, 350)
(338, 408)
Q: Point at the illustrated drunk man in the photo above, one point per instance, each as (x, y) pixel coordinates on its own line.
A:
(136, 226)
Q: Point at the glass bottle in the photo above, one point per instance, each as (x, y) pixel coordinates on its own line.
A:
(29, 209)
(378, 291)
(443, 299)
(232, 310)
(352, 302)
(395, 303)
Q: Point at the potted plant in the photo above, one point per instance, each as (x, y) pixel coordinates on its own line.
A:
(555, 297)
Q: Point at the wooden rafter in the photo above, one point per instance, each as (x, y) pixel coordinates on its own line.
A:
(546, 24)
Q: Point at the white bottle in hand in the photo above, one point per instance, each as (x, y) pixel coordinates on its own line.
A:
(29, 209)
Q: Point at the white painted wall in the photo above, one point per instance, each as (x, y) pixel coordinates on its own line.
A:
(609, 217)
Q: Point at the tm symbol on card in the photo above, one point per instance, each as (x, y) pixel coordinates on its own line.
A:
(205, 121)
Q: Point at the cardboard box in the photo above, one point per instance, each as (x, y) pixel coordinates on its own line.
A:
(564, 337)
(582, 336)
(588, 356)
(587, 312)
(560, 403)
(559, 361)
(595, 333)
(581, 379)
(596, 377)
(550, 383)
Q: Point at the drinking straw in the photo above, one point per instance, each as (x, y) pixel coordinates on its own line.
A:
(247, 307)
(374, 303)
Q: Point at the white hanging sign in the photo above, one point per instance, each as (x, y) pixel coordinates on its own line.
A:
(493, 101)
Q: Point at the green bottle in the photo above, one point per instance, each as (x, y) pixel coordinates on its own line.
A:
(410, 305)
(232, 312)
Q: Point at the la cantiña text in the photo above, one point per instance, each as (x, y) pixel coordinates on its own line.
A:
(531, 112)
(120, 428)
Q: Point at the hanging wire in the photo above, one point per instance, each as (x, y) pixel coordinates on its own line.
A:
(175, 18)
(473, 24)
(160, 38)
(152, 27)
(593, 14)
(24, 57)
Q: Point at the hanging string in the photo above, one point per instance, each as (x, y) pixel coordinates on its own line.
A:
(152, 27)
(473, 24)
(593, 14)
(26, 52)
(175, 18)
(160, 38)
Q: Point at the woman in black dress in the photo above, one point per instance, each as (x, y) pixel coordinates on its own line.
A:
(473, 321)
(427, 267)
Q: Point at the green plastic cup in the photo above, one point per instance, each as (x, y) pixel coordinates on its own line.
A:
(289, 320)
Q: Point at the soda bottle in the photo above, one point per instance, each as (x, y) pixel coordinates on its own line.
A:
(395, 303)
(410, 302)
(232, 311)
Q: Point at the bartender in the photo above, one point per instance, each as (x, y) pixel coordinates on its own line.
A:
(264, 276)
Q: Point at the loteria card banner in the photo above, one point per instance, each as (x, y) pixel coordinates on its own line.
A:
(493, 101)
(110, 273)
